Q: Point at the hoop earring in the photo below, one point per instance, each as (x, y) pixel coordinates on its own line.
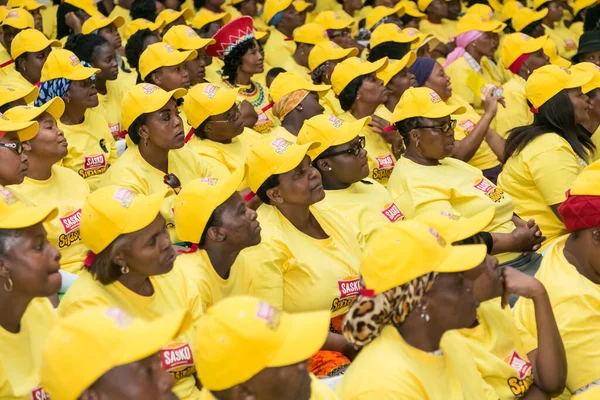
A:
(124, 270)
(8, 285)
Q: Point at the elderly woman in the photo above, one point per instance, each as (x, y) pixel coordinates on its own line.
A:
(570, 274)
(130, 266)
(92, 149)
(544, 158)
(306, 247)
(14, 139)
(403, 316)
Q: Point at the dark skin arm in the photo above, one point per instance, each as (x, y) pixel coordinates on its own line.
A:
(526, 237)
(337, 342)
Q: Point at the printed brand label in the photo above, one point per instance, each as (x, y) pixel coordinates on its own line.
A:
(39, 394)
(94, 162)
(349, 288)
(178, 360)
(71, 221)
(385, 162)
(392, 212)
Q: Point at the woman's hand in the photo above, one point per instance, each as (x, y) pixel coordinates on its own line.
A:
(527, 236)
(383, 128)
(520, 284)
(490, 104)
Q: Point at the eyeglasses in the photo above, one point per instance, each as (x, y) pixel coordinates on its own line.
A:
(339, 33)
(444, 128)
(354, 150)
(16, 147)
(231, 115)
(173, 182)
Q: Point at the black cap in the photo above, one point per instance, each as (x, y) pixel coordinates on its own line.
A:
(589, 42)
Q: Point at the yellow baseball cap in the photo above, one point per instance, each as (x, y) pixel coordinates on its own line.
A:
(525, 16)
(85, 345)
(333, 20)
(145, 98)
(289, 82)
(473, 22)
(311, 33)
(351, 68)
(190, 219)
(273, 7)
(579, 5)
(551, 51)
(424, 250)
(411, 8)
(141, 23)
(272, 156)
(390, 33)
(420, 40)
(89, 6)
(328, 51)
(168, 15)
(545, 83)
(482, 10)
(588, 182)
(15, 214)
(328, 131)
(25, 130)
(205, 100)
(423, 102)
(63, 63)
(112, 211)
(204, 17)
(29, 5)
(162, 54)
(395, 66)
(8, 94)
(182, 37)
(510, 8)
(539, 3)
(517, 44)
(455, 227)
(54, 107)
(30, 41)
(250, 330)
(99, 21)
(259, 35)
(3, 12)
(588, 67)
(380, 12)
(18, 18)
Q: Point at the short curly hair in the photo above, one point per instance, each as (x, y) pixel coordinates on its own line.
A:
(135, 47)
(84, 46)
(143, 9)
(233, 60)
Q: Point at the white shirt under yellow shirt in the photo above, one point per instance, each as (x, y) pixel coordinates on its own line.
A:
(109, 105)
(92, 149)
(22, 353)
(500, 352)
(517, 112)
(172, 291)
(575, 301)
(452, 186)
(390, 369)
(538, 177)
(133, 172)
(67, 191)
(278, 49)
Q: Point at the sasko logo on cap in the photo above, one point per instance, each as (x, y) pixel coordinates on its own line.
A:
(124, 196)
(74, 60)
(336, 122)
(149, 88)
(211, 91)
(7, 196)
(269, 314)
(435, 98)
(280, 145)
(439, 239)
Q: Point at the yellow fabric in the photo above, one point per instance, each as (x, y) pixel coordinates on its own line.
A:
(15, 80)
(4, 57)
(133, 172)
(538, 177)
(49, 20)
(566, 41)
(388, 369)
(172, 291)
(290, 65)
(214, 70)
(591, 394)
(22, 353)
(119, 11)
(499, 352)
(452, 186)
(442, 32)
(281, 132)
(278, 49)
(295, 272)
(577, 29)
(110, 104)
(92, 149)
(517, 111)
(575, 301)
(596, 140)
(459, 72)
(331, 104)
(259, 98)
(484, 157)
(495, 70)
(67, 191)
(379, 152)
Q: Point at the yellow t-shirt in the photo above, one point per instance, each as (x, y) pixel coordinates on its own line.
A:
(110, 104)
(295, 272)
(278, 49)
(453, 186)
(496, 70)
(379, 152)
(290, 65)
(92, 149)
(484, 158)
(577, 29)
(172, 291)
(67, 191)
(8, 64)
(517, 111)
(132, 171)
(390, 369)
(596, 140)
(213, 72)
(281, 132)
(14, 79)
(499, 352)
(124, 13)
(575, 301)
(442, 32)
(331, 104)
(565, 39)
(592, 393)
(366, 204)
(49, 20)
(538, 177)
(22, 353)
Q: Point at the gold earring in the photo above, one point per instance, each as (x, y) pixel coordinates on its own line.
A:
(124, 269)
(8, 285)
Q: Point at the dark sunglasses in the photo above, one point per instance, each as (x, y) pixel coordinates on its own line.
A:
(173, 182)
(16, 147)
(354, 150)
(444, 128)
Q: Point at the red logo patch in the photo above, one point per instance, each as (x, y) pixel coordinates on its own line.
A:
(70, 222)
(385, 162)
(39, 394)
(177, 356)
(94, 162)
(467, 125)
(484, 186)
(393, 213)
(114, 128)
(349, 287)
(522, 366)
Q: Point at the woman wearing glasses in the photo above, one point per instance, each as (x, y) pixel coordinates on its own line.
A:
(428, 179)
(342, 162)
(13, 142)
(158, 159)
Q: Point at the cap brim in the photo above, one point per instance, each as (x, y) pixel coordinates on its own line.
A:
(294, 157)
(559, 61)
(444, 111)
(81, 74)
(35, 47)
(29, 95)
(300, 5)
(467, 227)
(306, 334)
(348, 133)
(54, 107)
(377, 66)
(259, 35)
(146, 209)
(183, 56)
(25, 130)
(463, 258)
(395, 68)
(28, 216)
(579, 78)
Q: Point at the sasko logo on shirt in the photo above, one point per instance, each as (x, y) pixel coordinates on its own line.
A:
(519, 385)
(385, 161)
(39, 394)
(70, 222)
(491, 191)
(385, 166)
(392, 212)
(93, 165)
(348, 288)
(178, 360)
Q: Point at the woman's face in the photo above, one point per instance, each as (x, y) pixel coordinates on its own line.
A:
(38, 22)
(196, 67)
(238, 223)
(249, 8)
(33, 63)
(292, 18)
(106, 60)
(433, 143)
(111, 33)
(13, 167)
(439, 82)
(438, 8)
(252, 61)
(300, 186)
(487, 279)
(423, 51)
(594, 112)
(538, 31)
(581, 105)
(343, 38)
(486, 44)
(215, 4)
(329, 70)
(372, 90)
(50, 142)
(347, 168)
(83, 93)
(227, 125)
(454, 9)
(555, 11)
(536, 60)
(209, 30)
(249, 114)
(164, 128)
(593, 57)
(401, 82)
(150, 252)
(310, 105)
(352, 6)
(451, 301)
(32, 263)
(171, 78)
(8, 34)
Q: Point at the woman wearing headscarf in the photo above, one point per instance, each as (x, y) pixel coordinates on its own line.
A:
(544, 158)
(92, 149)
(404, 316)
(570, 274)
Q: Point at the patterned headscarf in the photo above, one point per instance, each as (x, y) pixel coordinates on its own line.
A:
(287, 103)
(56, 88)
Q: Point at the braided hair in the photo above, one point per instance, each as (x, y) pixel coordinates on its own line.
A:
(233, 60)
(84, 46)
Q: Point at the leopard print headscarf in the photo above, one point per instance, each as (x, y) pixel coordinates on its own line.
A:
(369, 315)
